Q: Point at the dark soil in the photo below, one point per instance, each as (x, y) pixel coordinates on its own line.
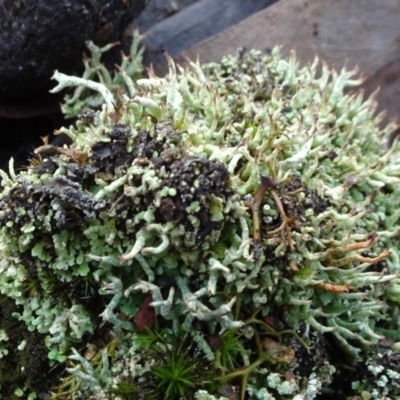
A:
(28, 366)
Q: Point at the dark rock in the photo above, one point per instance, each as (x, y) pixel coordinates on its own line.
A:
(39, 36)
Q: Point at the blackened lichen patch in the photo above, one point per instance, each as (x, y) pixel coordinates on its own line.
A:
(190, 184)
(111, 155)
(194, 180)
(83, 175)
(68, 202)
(48, 166)
(152, 144)
(311, 199)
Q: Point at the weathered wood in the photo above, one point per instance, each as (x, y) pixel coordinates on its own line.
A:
(387, 79)
(193, 24)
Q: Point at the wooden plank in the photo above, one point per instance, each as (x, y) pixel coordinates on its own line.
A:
(387, 79)
(195, 23)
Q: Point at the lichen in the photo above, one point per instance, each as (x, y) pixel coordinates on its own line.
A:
(253, 201)
(381, 377)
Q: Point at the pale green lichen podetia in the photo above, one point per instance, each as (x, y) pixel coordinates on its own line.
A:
(228, 192)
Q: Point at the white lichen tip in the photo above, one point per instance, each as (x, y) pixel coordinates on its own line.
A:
(160, 248)
(65, 81)
(137, 247)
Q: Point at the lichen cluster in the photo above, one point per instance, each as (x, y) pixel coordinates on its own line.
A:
(241, 215)
(381, 379)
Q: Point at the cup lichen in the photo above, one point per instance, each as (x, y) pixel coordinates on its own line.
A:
(246, 209)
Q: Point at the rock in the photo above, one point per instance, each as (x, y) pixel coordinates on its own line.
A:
(39, 36)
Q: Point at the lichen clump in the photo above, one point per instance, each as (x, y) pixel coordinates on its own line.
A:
(239, 215)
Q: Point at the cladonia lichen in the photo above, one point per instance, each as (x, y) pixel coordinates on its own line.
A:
(248, 208)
